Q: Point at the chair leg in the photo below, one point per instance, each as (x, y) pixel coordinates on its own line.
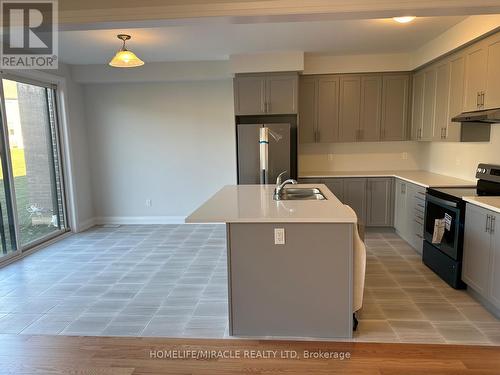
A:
(354, 322)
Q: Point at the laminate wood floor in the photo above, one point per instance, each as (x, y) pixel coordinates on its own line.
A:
(26, 354)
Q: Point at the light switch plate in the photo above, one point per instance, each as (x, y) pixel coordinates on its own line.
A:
(279, 236)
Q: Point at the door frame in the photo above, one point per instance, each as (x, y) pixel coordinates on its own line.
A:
(58, 84)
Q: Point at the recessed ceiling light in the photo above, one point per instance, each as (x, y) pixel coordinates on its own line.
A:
(125, 58)
(405, 19)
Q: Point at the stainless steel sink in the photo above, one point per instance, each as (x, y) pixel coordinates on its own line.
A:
(301, 194)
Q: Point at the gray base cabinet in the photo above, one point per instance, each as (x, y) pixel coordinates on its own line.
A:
(300, 289)
(371, 198)
(355, 196)
(380, 202)
(409, 209)
(481, 261)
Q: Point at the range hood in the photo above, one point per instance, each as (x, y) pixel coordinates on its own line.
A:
(488, 116)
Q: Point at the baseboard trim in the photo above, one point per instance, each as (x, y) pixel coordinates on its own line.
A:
(85, 225)
(134, 220)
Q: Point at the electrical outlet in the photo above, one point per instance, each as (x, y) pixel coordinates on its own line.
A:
(279, 236)
(149, 202)
(404, 156)
(330, 157)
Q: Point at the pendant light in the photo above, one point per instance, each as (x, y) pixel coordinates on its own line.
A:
(125, 58)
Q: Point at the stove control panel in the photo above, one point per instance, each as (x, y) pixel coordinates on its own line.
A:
(488, 172)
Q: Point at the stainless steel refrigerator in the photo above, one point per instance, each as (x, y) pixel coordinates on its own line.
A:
(264, 151)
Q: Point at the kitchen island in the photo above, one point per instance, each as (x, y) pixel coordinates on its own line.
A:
(290, 262)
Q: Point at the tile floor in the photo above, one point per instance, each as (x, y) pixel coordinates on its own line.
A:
(170, 280)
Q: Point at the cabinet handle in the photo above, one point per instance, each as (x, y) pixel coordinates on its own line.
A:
(492, 224)
(482, 99)
(478, 100)
(488, 219)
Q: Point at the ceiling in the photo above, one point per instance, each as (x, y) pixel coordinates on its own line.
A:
(216, 41)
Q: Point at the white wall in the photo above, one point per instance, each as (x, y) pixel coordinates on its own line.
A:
(369, 156)
(327, 64)
(171, 142)
(461, 159)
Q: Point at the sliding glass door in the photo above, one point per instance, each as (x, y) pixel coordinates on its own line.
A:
(34, 181)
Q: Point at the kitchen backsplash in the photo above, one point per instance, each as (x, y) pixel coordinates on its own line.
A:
(371, 156)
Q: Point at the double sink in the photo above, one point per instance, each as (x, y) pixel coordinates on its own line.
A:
(293, 194)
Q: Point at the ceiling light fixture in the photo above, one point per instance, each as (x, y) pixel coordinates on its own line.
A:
(125, 58)
(404, 19)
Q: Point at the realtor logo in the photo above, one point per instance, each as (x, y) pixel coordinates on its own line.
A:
(29, 34)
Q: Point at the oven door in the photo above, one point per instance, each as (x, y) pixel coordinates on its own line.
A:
(437, 209)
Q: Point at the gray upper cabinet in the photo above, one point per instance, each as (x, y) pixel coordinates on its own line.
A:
(353, 107)
(328, 109)
(456, 97)
(441, 111)
(430, 80)
(308, 109)
(492, 96)
(282, 95)
(355, 196)
(476, 64)
(350, 108)
(395, 107)
(370, 108)
(417, 121)
(249, 95)
(380, 202)
(318, 109)
(266, 94)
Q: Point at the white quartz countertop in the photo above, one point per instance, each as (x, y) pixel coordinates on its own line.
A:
(490, 203)
(255, 204)
(422, 178)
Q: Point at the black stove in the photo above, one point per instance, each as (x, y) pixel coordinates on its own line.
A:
(444, 223)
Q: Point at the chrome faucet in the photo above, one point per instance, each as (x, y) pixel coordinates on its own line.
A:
(281, 184)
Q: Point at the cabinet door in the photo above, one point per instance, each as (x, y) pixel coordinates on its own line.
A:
(477, 245)
(492, 96)
(281, 94)
(249, 95)
(308, 108)
(495, 261)
(379, 202)
(371, 105)
(350, 100)
(441, 117)
(336, 185)
(395, 89)
(417, 121)
(328, 109)
(355, 196)
(475, 76)
(456, 101)
(400, 207)
(430, 79)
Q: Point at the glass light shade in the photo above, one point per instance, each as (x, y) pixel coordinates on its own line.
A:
(126, 59)
(405, 19)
